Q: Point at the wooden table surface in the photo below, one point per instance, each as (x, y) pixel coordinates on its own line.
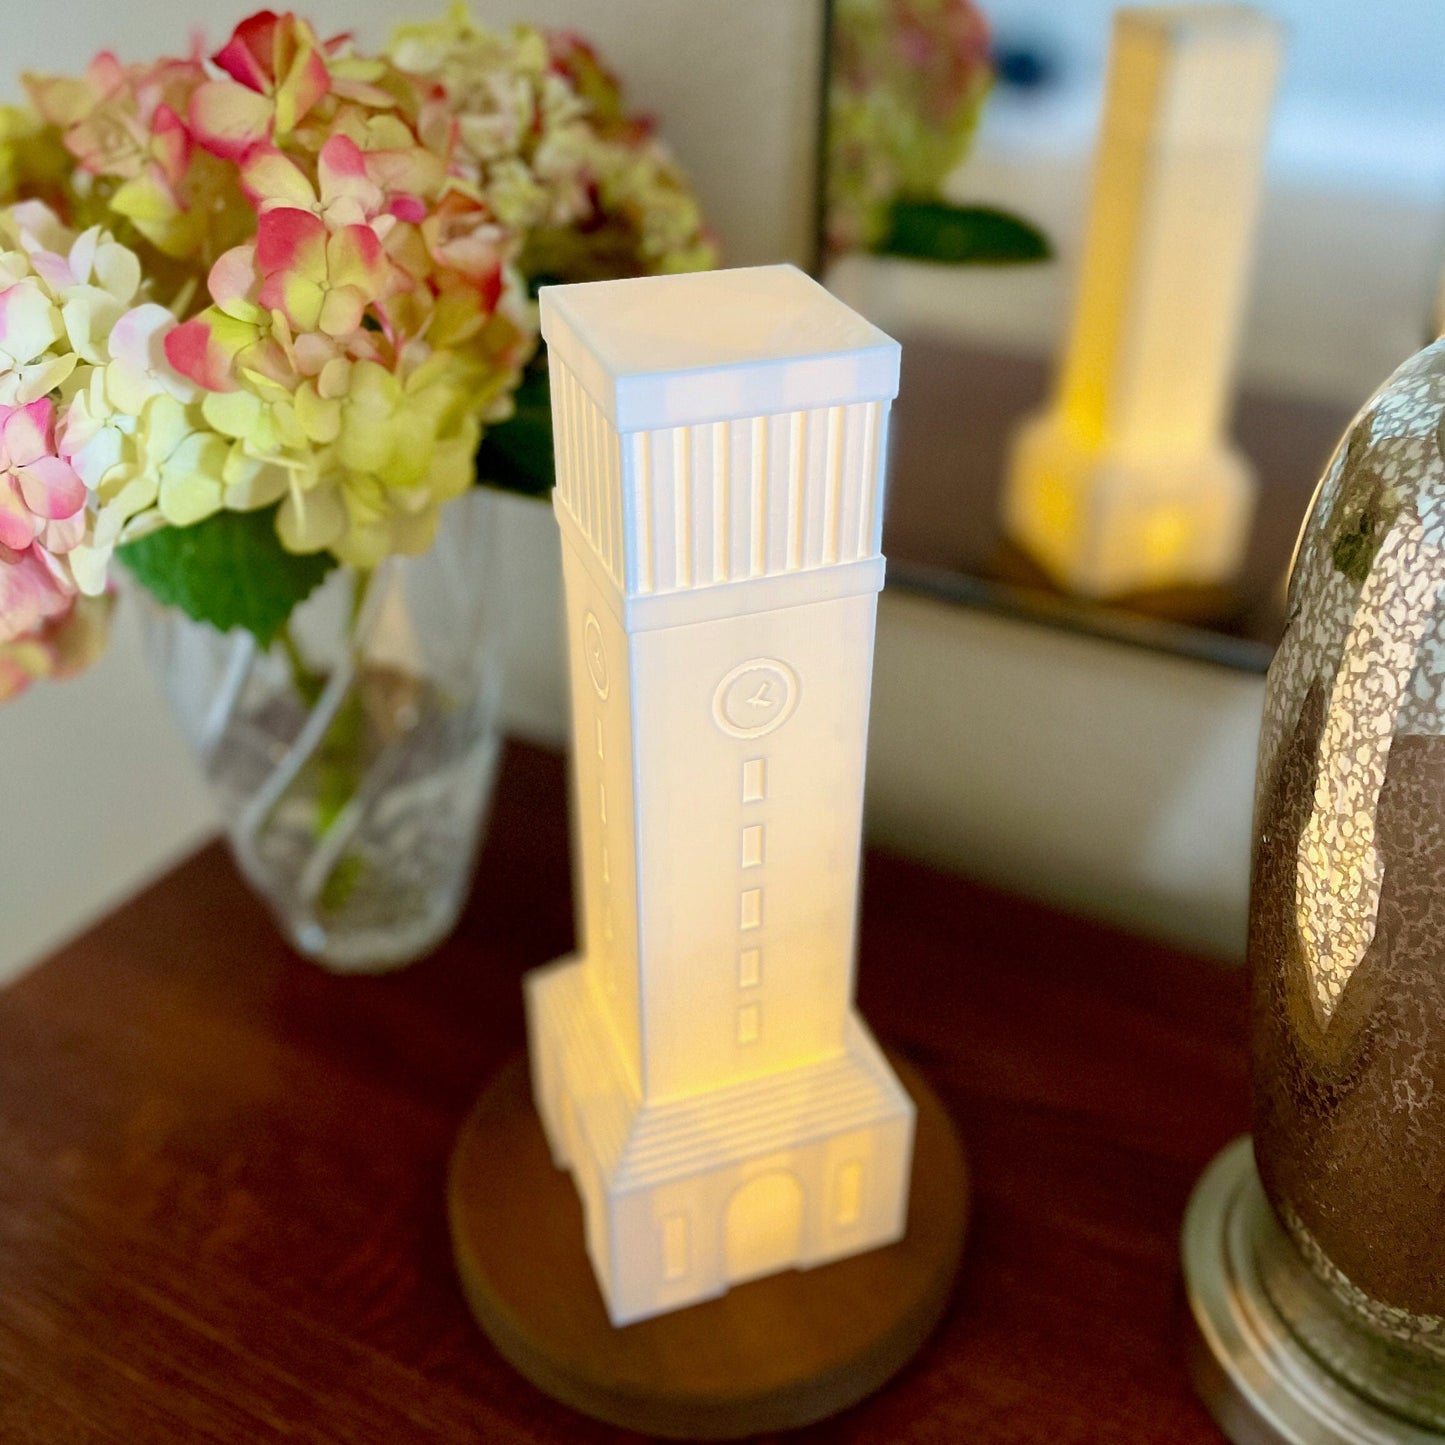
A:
(221, 1168)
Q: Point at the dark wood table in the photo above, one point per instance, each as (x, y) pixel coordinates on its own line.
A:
(221, 1168)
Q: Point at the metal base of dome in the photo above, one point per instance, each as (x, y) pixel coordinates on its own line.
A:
(1260, 1384)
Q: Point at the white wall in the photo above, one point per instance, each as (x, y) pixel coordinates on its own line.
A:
(1102, 777)
(98, 795)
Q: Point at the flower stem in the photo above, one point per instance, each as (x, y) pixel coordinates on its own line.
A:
(359, 590)
(308, 683)
(343, 756)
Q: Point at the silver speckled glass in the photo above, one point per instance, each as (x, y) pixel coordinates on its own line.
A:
(1347, 926)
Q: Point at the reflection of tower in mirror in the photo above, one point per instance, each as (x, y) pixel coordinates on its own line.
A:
(1126, 481)
(699, 1066)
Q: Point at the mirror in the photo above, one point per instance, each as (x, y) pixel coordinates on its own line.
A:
(1347, 256)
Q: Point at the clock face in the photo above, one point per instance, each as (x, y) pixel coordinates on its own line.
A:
(595, 654)
(755, 698)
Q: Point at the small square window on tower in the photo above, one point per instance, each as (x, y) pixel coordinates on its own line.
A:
(753, 845)
(750, 910)
(749, 1023)
(755, 780)
(750, 967)
(848, 1196)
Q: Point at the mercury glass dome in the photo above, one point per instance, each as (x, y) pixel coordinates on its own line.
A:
(1347, 925)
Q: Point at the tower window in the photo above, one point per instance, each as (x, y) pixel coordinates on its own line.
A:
(749, 1023)
(848, 1198)
(750, 967)
(751, 908)
(755, 780)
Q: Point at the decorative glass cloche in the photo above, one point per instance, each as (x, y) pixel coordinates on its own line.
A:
(1337, 1286)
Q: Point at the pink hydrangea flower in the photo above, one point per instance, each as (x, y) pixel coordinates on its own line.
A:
(318, 281)
(353, 187)
(42, 516)
(277, 71)
(34, 588)
(37, 488)
(125, 124)
(342, 238)
(59, 647)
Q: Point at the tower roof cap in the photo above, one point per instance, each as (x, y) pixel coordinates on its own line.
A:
(667, 351)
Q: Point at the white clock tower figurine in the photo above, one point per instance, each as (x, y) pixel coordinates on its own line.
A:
(699, 1065)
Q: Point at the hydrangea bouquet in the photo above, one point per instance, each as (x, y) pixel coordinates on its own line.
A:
(263, 315)
(258, 311)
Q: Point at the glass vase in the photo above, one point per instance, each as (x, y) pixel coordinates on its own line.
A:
(1347, 929)
(353, 759)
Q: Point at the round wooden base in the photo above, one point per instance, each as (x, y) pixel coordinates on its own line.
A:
(770, 1355)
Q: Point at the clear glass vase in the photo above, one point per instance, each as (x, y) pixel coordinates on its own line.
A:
(354, 759)
(1347, 926)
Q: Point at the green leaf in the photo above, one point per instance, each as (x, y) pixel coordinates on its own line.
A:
(229, 570)
(517, 454)
(960, 235)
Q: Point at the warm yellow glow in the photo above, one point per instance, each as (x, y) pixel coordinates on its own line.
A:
(1058, 506)
(699, 1065)
(764, 1225)
(849, 1202)
(1126, 481)
(1121, 176)
(1165, 536)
